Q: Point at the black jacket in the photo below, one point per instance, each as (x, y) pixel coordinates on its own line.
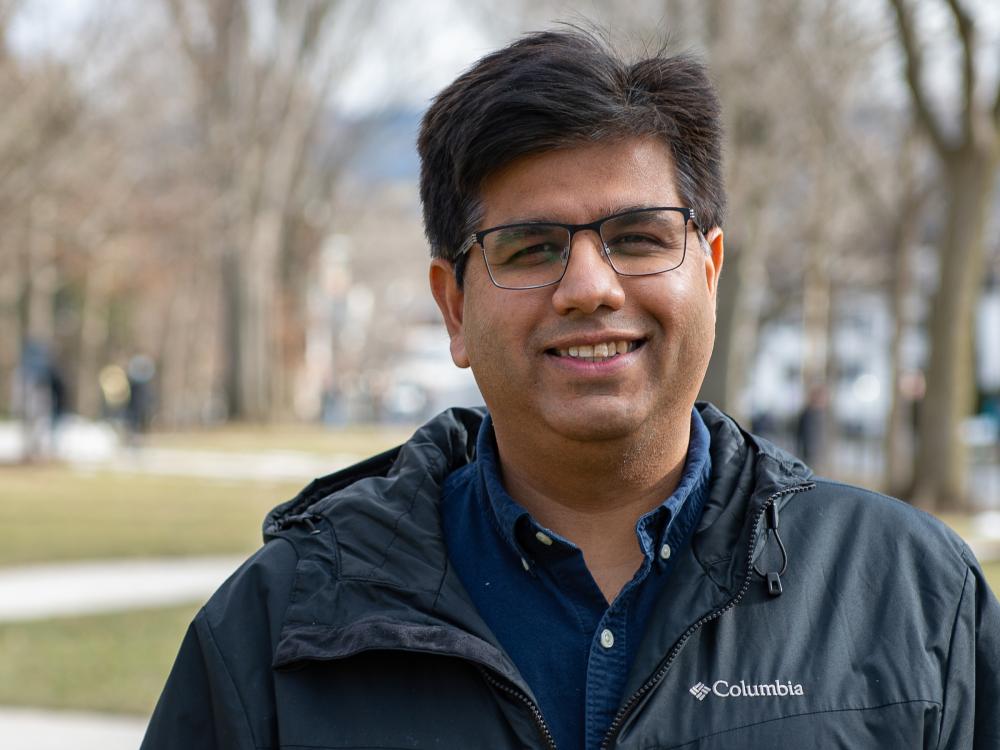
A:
(349, 628)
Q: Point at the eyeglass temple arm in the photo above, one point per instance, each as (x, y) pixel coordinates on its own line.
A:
(466, 246)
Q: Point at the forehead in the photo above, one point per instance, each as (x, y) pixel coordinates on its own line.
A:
(581, 183)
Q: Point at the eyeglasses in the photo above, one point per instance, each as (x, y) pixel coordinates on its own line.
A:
(640, 242)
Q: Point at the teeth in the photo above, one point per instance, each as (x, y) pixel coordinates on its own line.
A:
(597, 351)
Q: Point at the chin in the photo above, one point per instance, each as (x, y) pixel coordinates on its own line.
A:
(595, 424)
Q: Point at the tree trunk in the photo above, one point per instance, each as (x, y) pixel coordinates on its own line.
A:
(737, 322)
(231, 283)
(43, 276)
(898, 443)
(258, 322)
(939, 480)
(713, 388)
(10, 328)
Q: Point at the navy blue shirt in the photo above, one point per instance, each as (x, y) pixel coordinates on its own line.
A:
(533, 588)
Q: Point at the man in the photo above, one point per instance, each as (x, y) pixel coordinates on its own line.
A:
(596, 561)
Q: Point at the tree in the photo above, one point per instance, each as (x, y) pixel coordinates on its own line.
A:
(262, 74)
(968, 152)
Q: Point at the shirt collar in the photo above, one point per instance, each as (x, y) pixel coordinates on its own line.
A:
(518, 529)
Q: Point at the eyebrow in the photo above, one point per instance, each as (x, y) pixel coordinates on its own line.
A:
(605, 211)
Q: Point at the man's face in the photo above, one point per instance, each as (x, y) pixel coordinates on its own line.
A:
(518, 342)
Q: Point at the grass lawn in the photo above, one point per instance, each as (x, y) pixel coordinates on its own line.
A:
(116, 663)
(53, 514)
(992, 571)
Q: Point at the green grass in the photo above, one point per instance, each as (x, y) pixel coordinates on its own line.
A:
(116, 663)
(54, 514)
(992, 572)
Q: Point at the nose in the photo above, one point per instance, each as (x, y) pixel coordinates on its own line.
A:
(589, 282)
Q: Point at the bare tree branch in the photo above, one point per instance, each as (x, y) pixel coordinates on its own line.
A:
(182, 25)
(966, 34)
(914, 69)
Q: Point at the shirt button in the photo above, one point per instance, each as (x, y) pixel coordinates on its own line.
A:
(665, 551)
(607, 638)
(543, 538)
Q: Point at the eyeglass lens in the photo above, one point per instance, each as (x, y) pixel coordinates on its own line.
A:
(637, 243)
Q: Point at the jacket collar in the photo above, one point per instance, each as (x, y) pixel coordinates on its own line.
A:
(373, 570)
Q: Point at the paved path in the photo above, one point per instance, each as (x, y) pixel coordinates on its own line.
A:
(32, 729)
(59, 590)
(34, 592)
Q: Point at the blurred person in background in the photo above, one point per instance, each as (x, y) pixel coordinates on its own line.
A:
(141, 397)
(596, 560)
(811, 427)
(39, 399)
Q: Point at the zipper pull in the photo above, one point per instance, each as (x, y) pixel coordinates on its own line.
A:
(774, 584)
(773, 578)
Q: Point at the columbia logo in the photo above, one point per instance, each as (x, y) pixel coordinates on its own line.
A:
(743, 689)
(700, 690)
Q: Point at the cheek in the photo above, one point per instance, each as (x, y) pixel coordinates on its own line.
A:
(686, 313)
(489, 337)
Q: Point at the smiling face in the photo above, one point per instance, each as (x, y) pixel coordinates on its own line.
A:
(598, 356)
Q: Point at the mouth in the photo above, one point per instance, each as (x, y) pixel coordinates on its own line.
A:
(601, 352)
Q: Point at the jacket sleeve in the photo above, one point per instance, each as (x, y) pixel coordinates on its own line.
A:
(971, 711)
(220, 693)
(200, 708)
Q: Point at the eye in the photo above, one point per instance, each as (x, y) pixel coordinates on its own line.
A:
(637, 244)
(537, 254)
(525, 246)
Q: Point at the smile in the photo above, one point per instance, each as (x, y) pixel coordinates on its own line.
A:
(598, 352)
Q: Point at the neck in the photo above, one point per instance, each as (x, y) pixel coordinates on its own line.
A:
(593, 493)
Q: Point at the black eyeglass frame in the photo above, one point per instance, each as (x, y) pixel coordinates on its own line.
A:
(476, 238)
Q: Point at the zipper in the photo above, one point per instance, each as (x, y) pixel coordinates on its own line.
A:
(536, 712)
(664, 667)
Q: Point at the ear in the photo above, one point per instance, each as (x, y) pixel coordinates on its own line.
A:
(714, 259)
(451, 301)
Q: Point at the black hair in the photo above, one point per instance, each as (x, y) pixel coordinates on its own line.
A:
(551, 90)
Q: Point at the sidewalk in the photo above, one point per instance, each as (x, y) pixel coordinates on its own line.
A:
(34, 592)
(34, 729)
(94, 446)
